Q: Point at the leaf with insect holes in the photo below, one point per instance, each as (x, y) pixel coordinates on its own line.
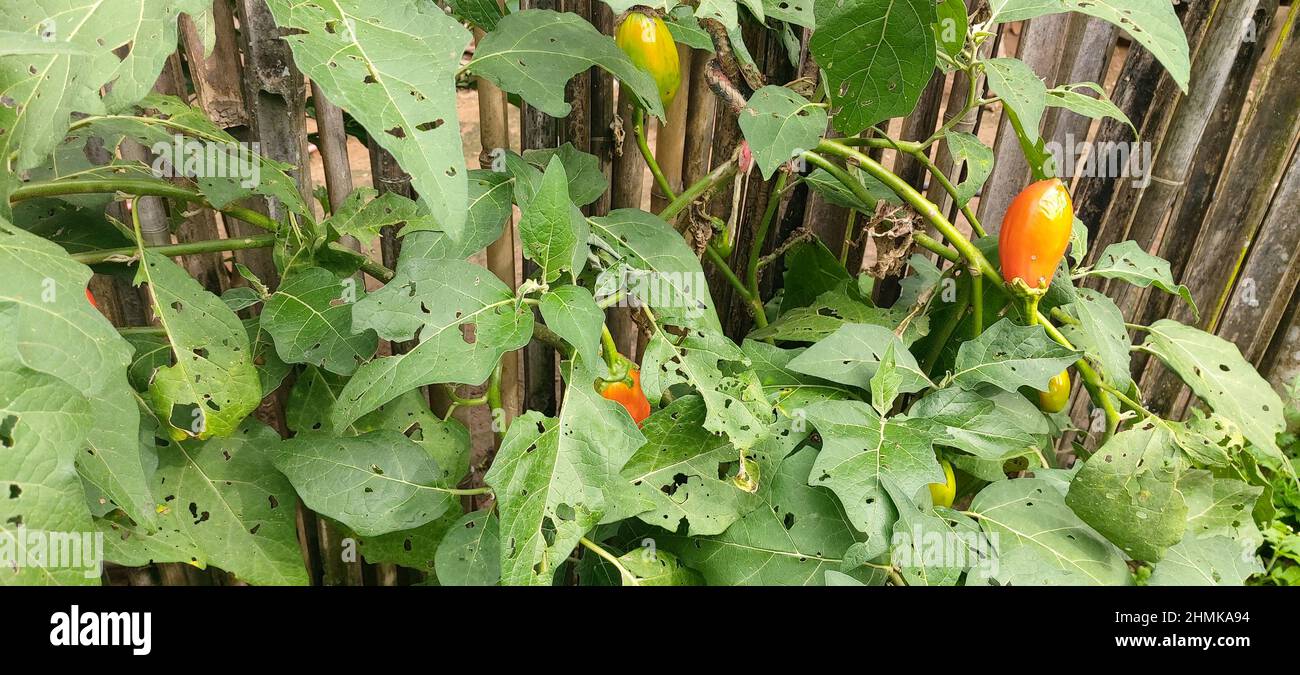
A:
(780, 124)
(392, 66)
(859, 449)
(489, 206)
(1129, 492)
(1101, 334)
(213, 385)
(1153, 24)
(555, 478)
(1128, 262)
(535, 52)
(677, 470)
(43, 423)
(310, 319)
(793, 538)
(1216, 371)
(878, 56)
(225, 496)
(1040, 541)
(737, 405)
(50, 85)
(470, 552)
(375, 483)
(465, 319)
(552, 230)
(49, 327)
(1009, 357)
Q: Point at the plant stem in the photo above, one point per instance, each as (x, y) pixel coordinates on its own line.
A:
(608, 349)
(849, 227)
(464, 492)
(139, 188)
(760, 236)
(946, 330)
(187, 248)
(925, 161)
(720, 174)
(638, 128)
(609, 557)
(977, 302)
(936, 247)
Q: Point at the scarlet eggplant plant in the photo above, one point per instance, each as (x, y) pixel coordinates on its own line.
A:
(832, 444)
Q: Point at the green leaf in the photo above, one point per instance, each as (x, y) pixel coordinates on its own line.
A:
(793, 538)
(1153, 24)
(1217, 505)
(56, 83)
(833, 191)
(1008, 356)
(225, 496)
(485, 14)
(788, 390)
(658, 568)
(877, 59)
(1021, 90)
(392, 66)
(310, 319)
(586, 180)
(859, 450)
(1040, 541)
(986, 422)
(830, 312)
(797, 12)
(49, 328)
(852, 354)
(886, 381)
(918, 532)
(552, 230)
(489, 206)
(415, 548)
(1097, 107)
(1101, 334)
(677, 470)
(1205, 561)
(43, 423)
(979, 163)
(535, 52)
(446, 441)
(810, 270)
(573, 314)
(1129, 262)
(470, 553)
(950, 28)
(375, 483)
(780, 124)
(1216, 372)
(685, 28)
(736, 404)
(555, 478)
(465, 317)
(657, 268)
(1128, 491)
(213, 384)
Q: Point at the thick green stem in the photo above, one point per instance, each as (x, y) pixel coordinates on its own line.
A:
(951, 189)
(944, 332)
(638, 128)
(719, 175)
(608, 349)
(628, 577)
(760, 236)
(187, 248)
(977, 303)
(138, 188)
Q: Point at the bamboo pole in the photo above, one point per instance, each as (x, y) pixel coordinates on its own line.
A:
(670, 142)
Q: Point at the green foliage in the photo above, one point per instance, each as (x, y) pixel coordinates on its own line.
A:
(802, 454)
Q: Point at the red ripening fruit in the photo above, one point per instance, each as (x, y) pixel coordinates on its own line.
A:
(1035, 233)
(630, 397)
(91, 298)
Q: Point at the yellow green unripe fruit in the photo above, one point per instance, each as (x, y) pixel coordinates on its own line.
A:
(644, 37)
(943, 493)
(1057, 395)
